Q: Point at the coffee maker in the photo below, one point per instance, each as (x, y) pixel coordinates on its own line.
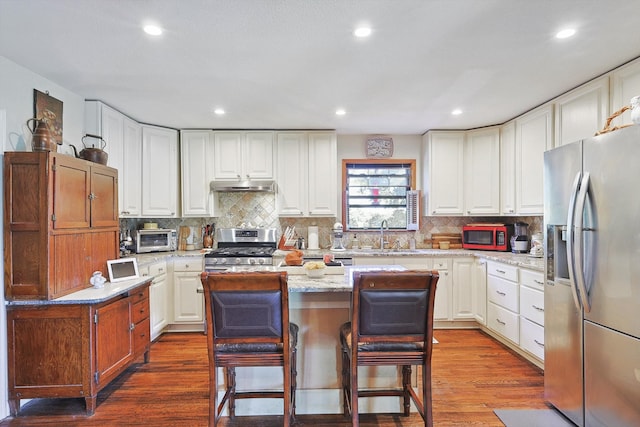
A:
(520, 238)
(337, 237)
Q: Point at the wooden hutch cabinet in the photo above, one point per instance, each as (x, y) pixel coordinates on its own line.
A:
(75, 348)
(61, 223)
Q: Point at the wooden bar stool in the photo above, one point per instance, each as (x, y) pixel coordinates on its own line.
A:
(391, 324)
(248, 325)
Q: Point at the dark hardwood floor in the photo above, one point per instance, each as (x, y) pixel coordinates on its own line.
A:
(472, 375)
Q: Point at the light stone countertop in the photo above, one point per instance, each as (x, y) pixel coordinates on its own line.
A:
(520, 260)
(297, 282)
(90, 295)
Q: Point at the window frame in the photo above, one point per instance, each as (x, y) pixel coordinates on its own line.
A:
(345, 162)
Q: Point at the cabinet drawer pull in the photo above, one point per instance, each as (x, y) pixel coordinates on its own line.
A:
(501, 271)
(200, 290)
(537, 308)
(501, 322)
(501, 293)
(539, 282)
(541, 344)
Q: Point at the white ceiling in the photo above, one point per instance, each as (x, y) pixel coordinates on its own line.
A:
(289, 64)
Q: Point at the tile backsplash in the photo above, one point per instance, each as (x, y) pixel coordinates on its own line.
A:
(259, 210)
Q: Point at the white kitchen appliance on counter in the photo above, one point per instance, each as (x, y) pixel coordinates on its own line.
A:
(156, 240)
(337, 236)
(520, 238)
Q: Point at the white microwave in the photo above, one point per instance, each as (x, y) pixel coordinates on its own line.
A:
(156, 240)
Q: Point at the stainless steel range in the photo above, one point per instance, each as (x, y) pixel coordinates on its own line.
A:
(242, 247)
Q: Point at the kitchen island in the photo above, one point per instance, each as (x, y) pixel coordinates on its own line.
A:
(319, 307)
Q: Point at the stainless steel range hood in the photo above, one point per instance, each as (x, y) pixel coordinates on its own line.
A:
(246, 185)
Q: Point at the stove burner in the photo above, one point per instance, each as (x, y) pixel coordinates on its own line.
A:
(241, 252)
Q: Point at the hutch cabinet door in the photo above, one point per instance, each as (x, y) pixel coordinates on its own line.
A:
(114, 344)
(104, 197)
(71, 188)
(68, 266)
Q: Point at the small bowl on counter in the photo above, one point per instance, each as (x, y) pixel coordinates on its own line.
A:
(314, 269)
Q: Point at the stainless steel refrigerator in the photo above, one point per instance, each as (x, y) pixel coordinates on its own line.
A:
(592, 289)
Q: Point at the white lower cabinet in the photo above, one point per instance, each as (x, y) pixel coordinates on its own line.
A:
(188, 303)
(503, 321)
(443, 305)
(158, 298)
(532, 312)
(479, 291)
(532, 338)
(515, 308)
(503, 300)
(462, 288)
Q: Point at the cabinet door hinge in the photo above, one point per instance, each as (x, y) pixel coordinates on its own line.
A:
(96, 376)
(95, 318)
(53, 217)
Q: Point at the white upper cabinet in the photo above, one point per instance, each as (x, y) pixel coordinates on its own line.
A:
(243, 155)
(582, 112)
(159, 172)
(196, 156)
(306, 174)
(482, 172)
(508, 169)
(323, 174)
(625, 84)
(123, 138)
(534, 135)
(444, 184)
(462, 172)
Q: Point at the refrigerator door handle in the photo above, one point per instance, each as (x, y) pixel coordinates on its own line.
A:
(578, 252)
(570, 238)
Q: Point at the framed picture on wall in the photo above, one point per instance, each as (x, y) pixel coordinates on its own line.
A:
(46, 107)
(379, 146)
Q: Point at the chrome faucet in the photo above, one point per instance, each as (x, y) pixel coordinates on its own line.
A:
(383, 226)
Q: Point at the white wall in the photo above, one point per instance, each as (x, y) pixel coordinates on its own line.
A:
(16, 97)
(16, 107)
(404, 147)
(4, 409)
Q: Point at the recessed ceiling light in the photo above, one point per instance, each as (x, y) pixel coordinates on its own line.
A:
(456, 112)
(152, 30)
(218, 111)
(567, 32)
(362, 32)
(340, 112)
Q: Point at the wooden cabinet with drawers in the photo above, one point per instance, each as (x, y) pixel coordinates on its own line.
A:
(74, 350)
(60, 223)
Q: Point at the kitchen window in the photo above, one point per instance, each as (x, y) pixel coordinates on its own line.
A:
(377, 190)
